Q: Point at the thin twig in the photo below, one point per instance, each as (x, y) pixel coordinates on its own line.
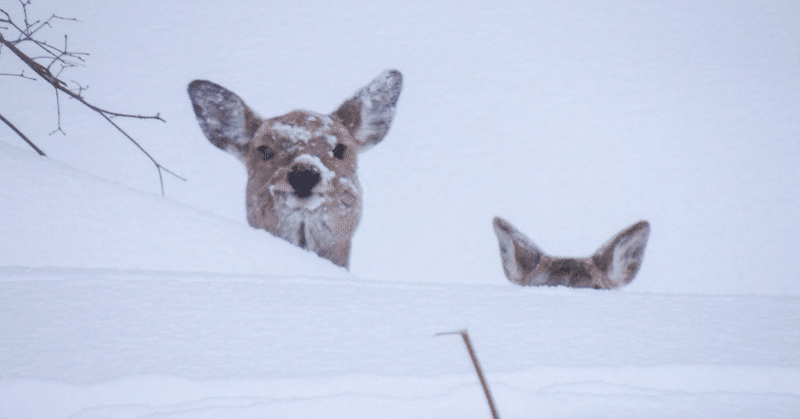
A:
(465, 335)
(21, 74)
(30, 143)
(58, 117)
(159, 167)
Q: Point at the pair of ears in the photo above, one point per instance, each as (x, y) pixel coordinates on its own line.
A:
(618, 259)
(230, 124)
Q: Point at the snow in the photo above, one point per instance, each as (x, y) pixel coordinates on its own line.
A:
(176, 342)
(326, 174)
(571, 119)
(57, 217)
(296, 134)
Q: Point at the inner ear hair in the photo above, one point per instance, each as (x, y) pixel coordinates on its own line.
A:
(369, 113)
(225, 119)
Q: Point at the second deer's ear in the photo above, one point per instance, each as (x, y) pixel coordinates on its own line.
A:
(621, 257)
(369, 113)
(518, 253)
(225, 119)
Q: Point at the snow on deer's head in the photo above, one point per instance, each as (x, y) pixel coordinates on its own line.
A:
(613, 265)
(302, 184)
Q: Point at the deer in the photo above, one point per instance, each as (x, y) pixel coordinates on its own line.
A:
(302, 184)
(612, 266)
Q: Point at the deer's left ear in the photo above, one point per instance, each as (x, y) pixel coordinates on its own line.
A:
(369, 113)
(621, 257)
(518, 253)
(225, 119)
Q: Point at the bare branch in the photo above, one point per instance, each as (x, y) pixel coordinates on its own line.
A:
(80, 88)
(30, 143)
(465, 335)
(65, 59)
(21, 74)
(157, 164)
(47, 23)
(25, 11)
(58, 118)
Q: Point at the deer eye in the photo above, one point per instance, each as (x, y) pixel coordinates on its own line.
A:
(339, 150)
(266, 152)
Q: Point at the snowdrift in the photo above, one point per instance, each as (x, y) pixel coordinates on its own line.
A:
(118, 304)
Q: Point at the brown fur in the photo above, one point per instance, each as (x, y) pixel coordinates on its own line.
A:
(302, 183)
(613, 265)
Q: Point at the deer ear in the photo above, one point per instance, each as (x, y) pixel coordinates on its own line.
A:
(225, 119)
(518, 253)
(369, 113)
(621, 257)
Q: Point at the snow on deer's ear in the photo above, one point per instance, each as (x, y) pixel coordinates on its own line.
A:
(518, 253)
(369, 113)
(225, 119)
(621, 257)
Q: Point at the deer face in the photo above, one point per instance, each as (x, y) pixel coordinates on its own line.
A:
(302, 184)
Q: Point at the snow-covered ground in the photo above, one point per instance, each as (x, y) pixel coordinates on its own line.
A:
(571, 120)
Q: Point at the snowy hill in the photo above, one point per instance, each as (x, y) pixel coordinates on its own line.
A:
(570, 119)
(85, 334)
(57, 217)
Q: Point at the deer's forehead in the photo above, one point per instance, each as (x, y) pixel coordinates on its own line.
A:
(303, 129)
(572, 272)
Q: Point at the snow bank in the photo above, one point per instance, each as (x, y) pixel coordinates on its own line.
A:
(192, 345)
(56, 216)
(121, 306)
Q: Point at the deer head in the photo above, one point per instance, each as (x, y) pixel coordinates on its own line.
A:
(613, 265)
(302, 184)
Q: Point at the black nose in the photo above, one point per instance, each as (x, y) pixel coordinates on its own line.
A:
(303, 179)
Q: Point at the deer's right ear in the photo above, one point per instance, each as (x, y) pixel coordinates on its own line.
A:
(621, 257)
(369, 113)
(225, 119)
(518, 253)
